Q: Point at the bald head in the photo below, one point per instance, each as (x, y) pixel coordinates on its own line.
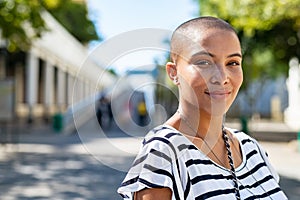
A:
(189, 32)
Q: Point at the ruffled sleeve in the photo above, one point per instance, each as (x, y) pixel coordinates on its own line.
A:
(152, 168)
(264, 155)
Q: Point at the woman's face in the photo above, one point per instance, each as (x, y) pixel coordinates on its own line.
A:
(210, 71)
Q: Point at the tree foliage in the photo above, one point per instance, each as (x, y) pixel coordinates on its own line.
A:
(269, 32)
(16, 16)
(74, 17)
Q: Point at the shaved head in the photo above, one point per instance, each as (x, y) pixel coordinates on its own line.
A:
(190, 31)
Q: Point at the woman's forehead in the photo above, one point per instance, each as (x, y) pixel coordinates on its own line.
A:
(218, 43)
(209, 34)
(211, 39)
(197, 38)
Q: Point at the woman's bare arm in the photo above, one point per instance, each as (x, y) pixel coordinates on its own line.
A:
(154, 194)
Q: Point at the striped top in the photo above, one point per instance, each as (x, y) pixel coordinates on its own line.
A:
(169, 159)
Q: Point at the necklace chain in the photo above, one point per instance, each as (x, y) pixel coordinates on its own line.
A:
(190, 126)
(229, 154)
(232, 170)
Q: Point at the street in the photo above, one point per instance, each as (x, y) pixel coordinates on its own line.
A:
(80, 166)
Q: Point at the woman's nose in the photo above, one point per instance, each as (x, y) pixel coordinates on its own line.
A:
(220, 75)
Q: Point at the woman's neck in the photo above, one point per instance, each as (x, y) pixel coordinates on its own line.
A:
(200, 123)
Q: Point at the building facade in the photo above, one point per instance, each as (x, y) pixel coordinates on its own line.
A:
(53, 76)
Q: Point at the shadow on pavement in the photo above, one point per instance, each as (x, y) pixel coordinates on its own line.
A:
(64, 176)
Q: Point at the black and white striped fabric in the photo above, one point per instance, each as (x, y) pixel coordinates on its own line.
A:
(169, 159)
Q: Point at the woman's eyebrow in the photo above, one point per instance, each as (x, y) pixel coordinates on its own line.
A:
(235, 55)
(200, 53)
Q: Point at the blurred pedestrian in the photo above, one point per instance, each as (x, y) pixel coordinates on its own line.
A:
(104, 113)
(142, 113)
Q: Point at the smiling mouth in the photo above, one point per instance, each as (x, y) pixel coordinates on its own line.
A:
(218, 94)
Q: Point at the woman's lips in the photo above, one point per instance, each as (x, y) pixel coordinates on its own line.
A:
(218, 94)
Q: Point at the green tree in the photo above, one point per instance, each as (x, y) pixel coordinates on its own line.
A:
(17, 16)
(74, 17)
(269, 32)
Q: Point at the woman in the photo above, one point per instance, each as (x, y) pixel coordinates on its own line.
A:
(192, 155)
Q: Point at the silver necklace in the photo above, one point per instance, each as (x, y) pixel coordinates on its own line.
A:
(229, 154)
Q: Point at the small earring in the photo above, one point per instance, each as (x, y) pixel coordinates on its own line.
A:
(175, 80)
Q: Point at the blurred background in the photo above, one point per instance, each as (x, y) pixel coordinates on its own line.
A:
(78, 73)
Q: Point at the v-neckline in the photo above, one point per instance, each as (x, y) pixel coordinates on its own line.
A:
(239, 167)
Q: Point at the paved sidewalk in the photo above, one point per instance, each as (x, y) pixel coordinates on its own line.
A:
(92, 164)
(285, 157)
(267, 130)
(47, 165)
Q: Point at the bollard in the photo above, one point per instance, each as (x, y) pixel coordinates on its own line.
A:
(58, 122)
(298, 141)
(244, 124)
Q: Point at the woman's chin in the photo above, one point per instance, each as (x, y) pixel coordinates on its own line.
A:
(217, 110)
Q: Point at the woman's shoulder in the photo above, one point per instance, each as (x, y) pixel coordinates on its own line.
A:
(241, 136)
(161, 132)
(162, 137)
(153, 165)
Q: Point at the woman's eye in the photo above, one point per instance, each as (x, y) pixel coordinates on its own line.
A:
(233, 63)
(203, 63)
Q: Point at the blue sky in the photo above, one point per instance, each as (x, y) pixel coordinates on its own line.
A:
(114, 17)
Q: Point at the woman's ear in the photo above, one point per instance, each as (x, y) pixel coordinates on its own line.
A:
(172, 72)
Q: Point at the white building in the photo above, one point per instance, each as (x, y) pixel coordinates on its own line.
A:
(53, 75)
